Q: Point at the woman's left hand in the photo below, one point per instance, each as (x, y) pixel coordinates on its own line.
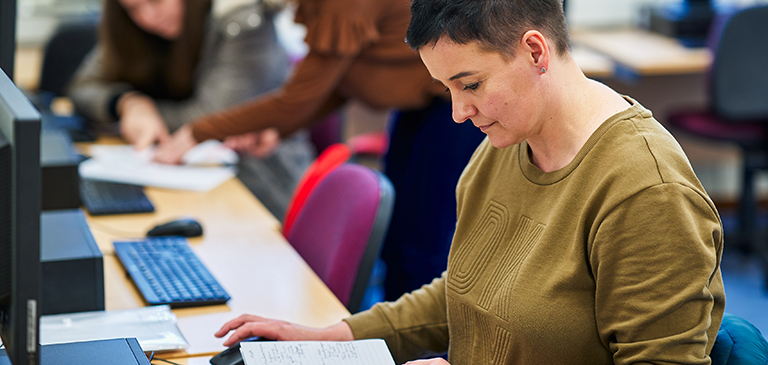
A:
(435, 361)
(172, 150)
(259, 144)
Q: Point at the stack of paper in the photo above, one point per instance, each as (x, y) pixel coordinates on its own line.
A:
(206, 166)
(154, 327)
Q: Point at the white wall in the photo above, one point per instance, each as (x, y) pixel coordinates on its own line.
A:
(38, 18)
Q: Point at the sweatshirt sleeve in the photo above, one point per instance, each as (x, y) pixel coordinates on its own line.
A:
(659, 294)
(308, 92)
(414, 326)
(90, 94)
(337, 32)
(241, 60)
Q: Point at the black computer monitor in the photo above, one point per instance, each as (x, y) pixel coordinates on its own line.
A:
(19, 225)
(7, 35)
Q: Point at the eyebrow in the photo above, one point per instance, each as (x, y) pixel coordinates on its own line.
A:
(461, 74)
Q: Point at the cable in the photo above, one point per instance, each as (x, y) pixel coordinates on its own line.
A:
(166, 361)
(152, 357)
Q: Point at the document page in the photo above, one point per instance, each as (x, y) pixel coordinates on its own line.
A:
(360, 352)
(205, 170)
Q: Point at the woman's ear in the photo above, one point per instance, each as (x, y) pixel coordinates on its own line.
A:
(536, 48)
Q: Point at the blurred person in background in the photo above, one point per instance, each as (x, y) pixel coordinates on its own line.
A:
(160, 64)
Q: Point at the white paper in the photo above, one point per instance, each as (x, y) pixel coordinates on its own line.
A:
(360, 352)
(210, 152)
(121, 163)
(154, 327)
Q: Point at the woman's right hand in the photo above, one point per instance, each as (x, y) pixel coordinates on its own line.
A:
(248, 325)
(140, 122)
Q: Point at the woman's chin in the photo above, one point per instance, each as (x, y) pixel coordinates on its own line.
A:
(498, 142)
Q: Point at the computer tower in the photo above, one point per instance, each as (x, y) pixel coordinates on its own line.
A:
(59, 176)
(72, 277)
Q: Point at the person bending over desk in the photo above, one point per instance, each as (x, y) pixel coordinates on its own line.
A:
(160, 64)
(583, 235)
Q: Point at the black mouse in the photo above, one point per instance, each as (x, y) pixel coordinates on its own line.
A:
(232, 355)
(181, 227)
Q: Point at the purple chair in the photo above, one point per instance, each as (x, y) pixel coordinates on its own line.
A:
(341, 227)
(738, 111)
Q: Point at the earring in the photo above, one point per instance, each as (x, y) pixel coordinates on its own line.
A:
(543, 70)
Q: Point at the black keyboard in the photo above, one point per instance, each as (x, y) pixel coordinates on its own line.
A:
(103, 197)
(166, 271)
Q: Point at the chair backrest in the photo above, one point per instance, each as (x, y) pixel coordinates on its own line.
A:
(64, 52)
(341, 228)
(739, 343)
(739, 81)
(331, 158)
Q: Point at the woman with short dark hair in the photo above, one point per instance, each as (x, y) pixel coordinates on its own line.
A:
(583, 234)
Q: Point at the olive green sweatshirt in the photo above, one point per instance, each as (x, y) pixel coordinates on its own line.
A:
(614, 258)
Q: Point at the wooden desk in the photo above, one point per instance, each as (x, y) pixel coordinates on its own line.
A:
(242, 246)
(643, 52)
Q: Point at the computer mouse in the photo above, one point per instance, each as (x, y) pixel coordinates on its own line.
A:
(181, 227)
(232, 355)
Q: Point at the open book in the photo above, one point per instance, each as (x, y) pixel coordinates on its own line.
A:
(360, 352)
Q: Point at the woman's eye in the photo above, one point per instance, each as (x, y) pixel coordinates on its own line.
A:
(471, 86)
(447, 90)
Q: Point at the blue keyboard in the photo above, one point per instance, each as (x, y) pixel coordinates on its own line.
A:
(166, 271)
(102, 197)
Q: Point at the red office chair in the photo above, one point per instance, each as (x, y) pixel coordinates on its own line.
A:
(340, 230)
(332, 157)
(738, 113)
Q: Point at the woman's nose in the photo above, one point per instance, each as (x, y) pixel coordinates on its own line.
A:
(462, 111)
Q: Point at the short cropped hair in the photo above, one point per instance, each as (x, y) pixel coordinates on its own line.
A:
(496, 25)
